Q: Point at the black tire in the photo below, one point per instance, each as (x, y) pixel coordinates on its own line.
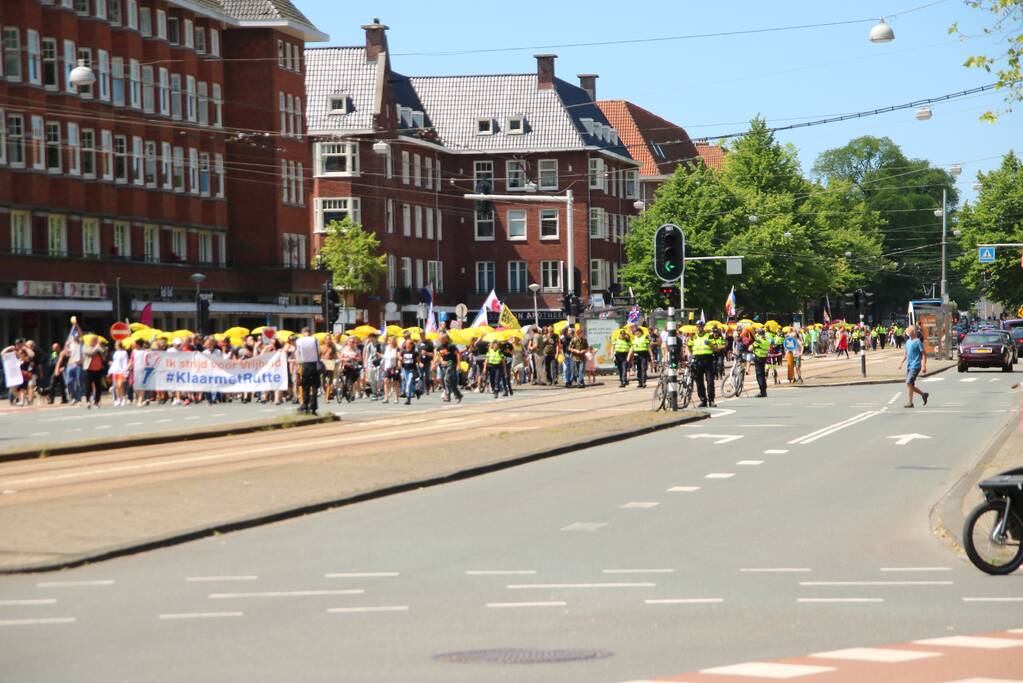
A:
(1009, 553)
(685, 389)
(963, 367)
(660, 395)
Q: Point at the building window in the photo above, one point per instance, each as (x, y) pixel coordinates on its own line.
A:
(419, 221)
(190, 105)
(516, 175)
(484, 126)
(69, 63)
(151, 243)
(35, 65)
(107, 142)
(337, 104)
(631, 177)
(440, 225)
(218, 168)
(145, 21)
(3, 138)
(429, 222)
(337, 159)
(51, 79)
(179, 244)
(90, 237)
(12, 53)
(281, 57)
(161, 24)
(283, 111)
(596, 175)
(200, 40)
(38, 143)
(297, 126)
(435, 275)
(120, 159)
(189, 34)
(135, 84)
(149, 167)
(88, 153)
(517, 224)
(483, 176)
(82, 7)
(16, 140)
(53, 148)
(74, 150)
(419, 273)
(405, 168)
(148, 90)
(175, 90)
(117, 78)
(222, 249)
(517, 276)
(179, 169)
(173, 30)
(165, 165)
(417, 170)
(289, 115)
(516, 126)
(406, 272)
(56, 235)
(164, 92)
(122, 239)
(484, 219)
(293, 175)
(597, 271)
(428, 172)
(218, 106)
(214, 42)
(21, 232)
(103, 59)
(598, 223)
(113, 11)
(204, 104)
(550, 276)
(335, 209)
(548, 174)
(204, 247)
(389, 215)
(193, 170)
(549, 224)
(484, 276)
(85, 57)
(131, 14)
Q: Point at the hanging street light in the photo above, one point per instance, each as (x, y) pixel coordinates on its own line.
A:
(82, 75)
(882, 33)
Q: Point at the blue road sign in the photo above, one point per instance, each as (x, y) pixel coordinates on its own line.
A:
(790, 344)
(986, 254)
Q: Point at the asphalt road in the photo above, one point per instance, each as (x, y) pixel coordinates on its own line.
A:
(794, 524)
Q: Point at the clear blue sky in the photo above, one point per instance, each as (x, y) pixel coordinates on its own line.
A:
(711, 86)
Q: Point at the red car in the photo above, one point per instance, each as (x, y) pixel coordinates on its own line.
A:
(986, 350)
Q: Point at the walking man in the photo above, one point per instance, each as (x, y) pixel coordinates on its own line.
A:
(916, 362)
(307, 355)
(448, 357)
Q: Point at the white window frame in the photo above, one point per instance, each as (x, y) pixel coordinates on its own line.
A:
(85, 56)
(90, 238)
(89, 159)
(103, 77)
(151, 243)
(34, 57)
(405, 168)
(632, 184)
(477, 222)
(150, 165)
(597, 180)
(204, 247)
(218, 169)
(597, 273)
(549, 270)
(190, 104)
(146, 21)
(117, 79)
(406, 220)
(135, 84)
(515, 175)
(193, 170)
(204, 103)
(173, 35)
(389, 215)
(164, 90)
(296, 126)
(179, 243)
(21, 232)
(348, 205)
(50, 64)
(122, 239)
(485, 126)
(283, 111)
(545, 214)
(178, 169)
(597, 223)
(74, 150)
(131, 14)
(161, 24)
(56, 235)
(38, 144)
(482, 170)
(189, 37)
(332, 105)
(107, 154)
(435, 275)
(483, 269)
(428, 215)
(547, 167)
(521, 216)
(166, 163)
(515, 125)
(512, 276)
(417, 170)
(122, 168)
(15, 138)
(217, 97)
(175, 96)
(137, 161)
(214, 42)
(11, 44)
(419, 221)
(54, 148)
(70, 55)
(148, 90)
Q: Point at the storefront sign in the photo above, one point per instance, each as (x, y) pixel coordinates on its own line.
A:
(70, 290)
(195, 371)
(40, 288)
(85, 290)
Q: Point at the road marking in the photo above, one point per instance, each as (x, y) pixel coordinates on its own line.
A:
(683, 601)
(916, 569)
(102, 427)
(776, 451)
(640, 505)
(28, 602)
(218, 415)
(968, 379)
(559, 586)
(718, 438)
(750, 462)
(875, 583)
(380, 608)
(38, 433)
(838, 600)
(780, 570)
(584, 526)
(285, 594)
(876, 654)
(165, 420)
(994, 600)
(683, 489)
(720, 475)
(831, 429)
(721, 412)
(361, 575)
(500, 572)
(768, 670)
(240, 577)
(975, 642)
(76, 429)
(993, 379)
(200, 615)
(134, 424)
(551, 603)
(818, 405)
(903, 439)
(763, 425)
(933, 379)
(192, 417)
(32, 622)
(67, 584)
(639, 571)
(894, 398)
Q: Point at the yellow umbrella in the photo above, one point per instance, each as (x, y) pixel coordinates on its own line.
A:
(787, 329)
(745, 321)
(320, 336)
(463, 366)
(412, 330)
(559, 326)
(127, 343)
(393, 330)
(415, 336)
(433, 336)
(713, 323)
(181, 334)
(258, 330)
(363, 331)
(772, 325)
(135, 327)
(284, 335)
(236, 341)
(236, 332)
(757, 326)
(688, 329)
(493, 337)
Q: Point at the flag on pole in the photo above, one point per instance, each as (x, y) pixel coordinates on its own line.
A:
(634, 315)
(730, 304)
(508, 319)
(703, 318)
(492, 303)
(827, 309)
(146, 318)
(481, 318)
(431, 323)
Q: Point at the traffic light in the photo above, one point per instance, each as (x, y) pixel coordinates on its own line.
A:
(204, 315)
(669, 252)
(577, 305)
(566, 303)
(332, 307)
(858, 294)
(669, 293)
(868, 299)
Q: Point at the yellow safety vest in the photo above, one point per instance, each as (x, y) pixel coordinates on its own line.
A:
(641, 343)
(761, 347)
(622, 344)
(701, 345)
(494, 356)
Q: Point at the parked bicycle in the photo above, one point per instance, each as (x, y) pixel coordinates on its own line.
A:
(993, 532)
(731, 385)
(685, 388)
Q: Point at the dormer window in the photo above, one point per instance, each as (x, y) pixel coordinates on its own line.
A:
(338, 104)
(406, 117)
(588, 125)
(516, 125)
(614, 136)
(418, 119)
(485, 126)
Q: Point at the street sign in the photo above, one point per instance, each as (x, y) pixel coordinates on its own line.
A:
(268, 334)
(461, 310)
(733, 266)
(791, 344)
(986, 254)
(119, 331)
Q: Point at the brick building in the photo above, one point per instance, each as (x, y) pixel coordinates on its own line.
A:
(185, 156)
(399, 153)
(659, 145)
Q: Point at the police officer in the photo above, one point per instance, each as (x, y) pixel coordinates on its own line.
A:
(622, 346)
(701, 349)
(640, 353)
(761, 347)
(495, 368)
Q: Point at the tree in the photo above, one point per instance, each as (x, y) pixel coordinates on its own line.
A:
(997, 217)
(1007, 23)
(349, 253)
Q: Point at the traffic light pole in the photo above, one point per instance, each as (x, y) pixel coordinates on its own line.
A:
(673, 354)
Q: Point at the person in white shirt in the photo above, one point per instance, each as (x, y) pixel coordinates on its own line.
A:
(307, 356)
(118, 372)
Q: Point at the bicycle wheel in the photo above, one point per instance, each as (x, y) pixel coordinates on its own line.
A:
(660, 394)
(728, 384)
(739, 381)
(685, 388)
(990, 552)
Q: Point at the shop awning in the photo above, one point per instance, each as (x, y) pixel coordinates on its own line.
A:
(10, 303)
(227, 307)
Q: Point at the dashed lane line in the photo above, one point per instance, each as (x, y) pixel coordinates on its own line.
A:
(361, 575)
(572, 586)
(720, 475)
(358, 610)
(767, 670)
(973, 642)
(916, 569)
(584, 526)
(35, 622)
(639, 571)
(775, 570)
(894, 398)
(838, 600)
(71, 584)
(505, 605)
(640, 505)
(875, 583)
(198, 615)
(236, 577)
(500, 572)
(286, 594)
(683, 601)
(683, 489)
(996, 599)
(876, 654)
(28, 602)
(776, 451)
(750, 462)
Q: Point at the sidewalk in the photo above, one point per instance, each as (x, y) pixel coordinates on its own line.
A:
(85, 507)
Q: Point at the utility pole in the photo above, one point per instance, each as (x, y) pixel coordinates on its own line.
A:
(673, 353)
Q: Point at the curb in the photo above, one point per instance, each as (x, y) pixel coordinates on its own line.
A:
(281, 422)
(320, 506)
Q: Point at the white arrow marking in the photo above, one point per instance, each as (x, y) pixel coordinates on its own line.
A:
(718, 438)
(903, 439)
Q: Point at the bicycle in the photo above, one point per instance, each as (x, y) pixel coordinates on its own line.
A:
(993, 533)
(731, 385)
(685, 388)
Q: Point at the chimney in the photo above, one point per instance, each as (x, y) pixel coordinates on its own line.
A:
(376, 39)
(588, 82)
(545, 71)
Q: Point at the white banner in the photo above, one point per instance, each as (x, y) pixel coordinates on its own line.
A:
(194, 371)
(12, 370)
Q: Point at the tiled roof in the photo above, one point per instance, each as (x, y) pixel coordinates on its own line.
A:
(339, 71)
(658, 144)
(713, 155)
(264, 10)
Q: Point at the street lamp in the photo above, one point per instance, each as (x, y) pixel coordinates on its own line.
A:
(639, 205)
(531, 187)
(82, 75)
(198, 279)
(924, 113)
(534, 288)
(954, 170)
(882, 32)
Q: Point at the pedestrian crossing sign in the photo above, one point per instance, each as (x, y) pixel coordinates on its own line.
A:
(986, 254)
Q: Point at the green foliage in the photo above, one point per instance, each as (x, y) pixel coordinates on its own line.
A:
(997, 217)
(1007, 23)
(349, 253)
